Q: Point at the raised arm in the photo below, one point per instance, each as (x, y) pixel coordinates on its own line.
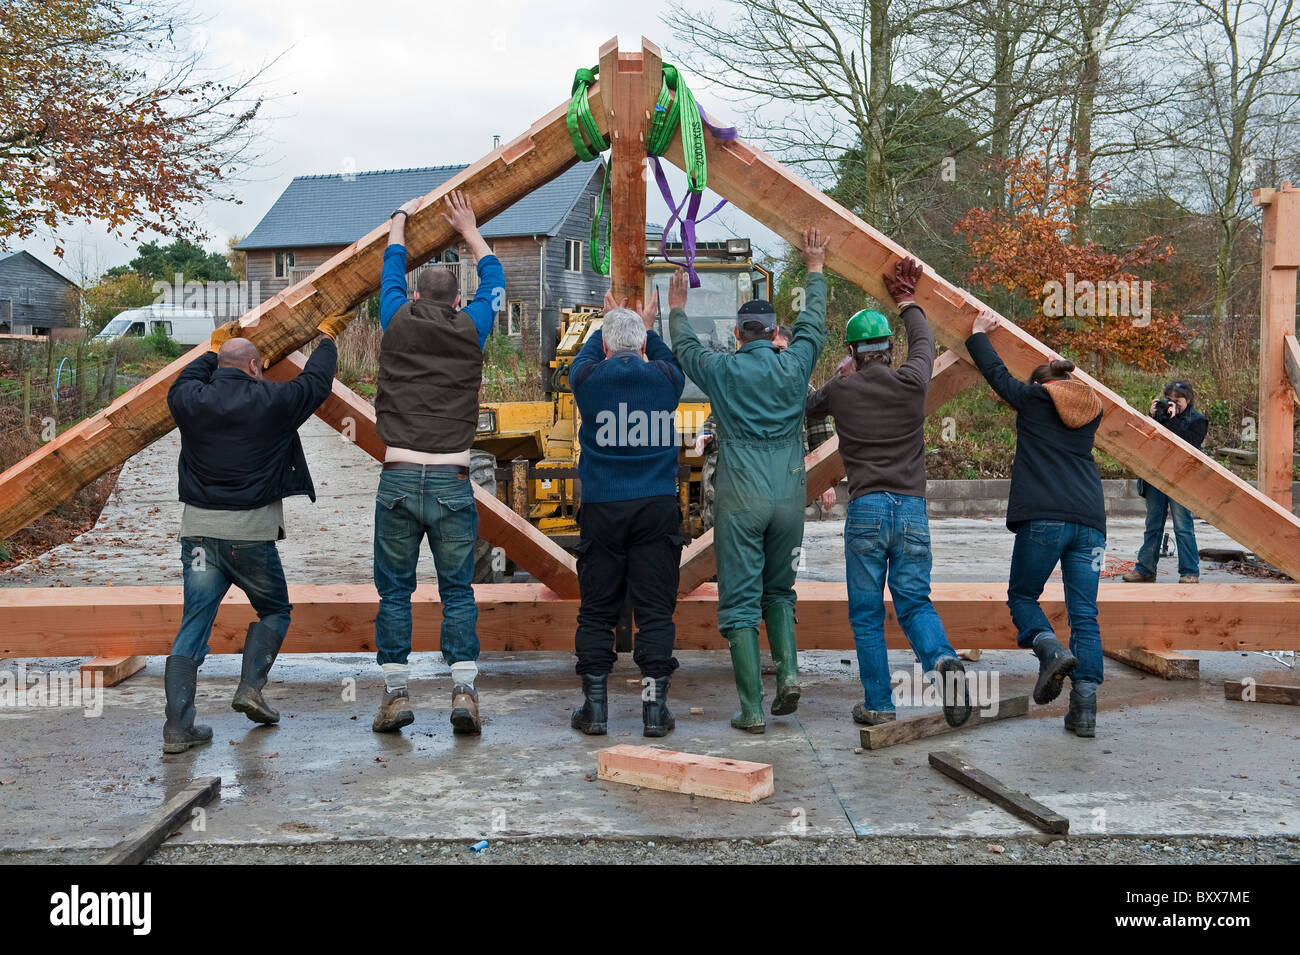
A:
(392, 278)
(808, 336)
(491, 295)
(702, 365)
(1011, 389)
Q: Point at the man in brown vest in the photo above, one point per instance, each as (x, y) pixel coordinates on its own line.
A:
(426, 409)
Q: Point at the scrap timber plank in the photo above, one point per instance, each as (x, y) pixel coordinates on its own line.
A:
(1243, 691)
(713, 776)
(933, 724)
(147, 836)
(1017, 803)
(1169, 664)
(114, 669)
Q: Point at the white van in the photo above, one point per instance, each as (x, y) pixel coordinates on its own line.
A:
(187, 326)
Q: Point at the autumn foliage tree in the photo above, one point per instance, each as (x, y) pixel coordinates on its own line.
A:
(106, 114)
(1076, 296)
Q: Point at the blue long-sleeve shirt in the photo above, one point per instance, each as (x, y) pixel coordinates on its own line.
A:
(487, 300)
(628, 436)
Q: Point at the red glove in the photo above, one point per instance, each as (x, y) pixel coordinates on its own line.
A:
(902, 284)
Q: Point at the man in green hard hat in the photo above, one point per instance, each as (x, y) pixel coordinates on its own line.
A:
(879, 415)
(758, 396)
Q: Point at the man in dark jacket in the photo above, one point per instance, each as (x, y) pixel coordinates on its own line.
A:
(240, 456)
(1177, 414)
(426, 411)
(626, 384)
(880, 416)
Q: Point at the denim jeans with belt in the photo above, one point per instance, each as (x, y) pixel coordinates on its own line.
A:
(210, 565)
(887, 537)
(1158, 504)
(409, 507)
(1081, 551)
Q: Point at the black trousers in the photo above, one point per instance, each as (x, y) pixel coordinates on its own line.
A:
(629, 553)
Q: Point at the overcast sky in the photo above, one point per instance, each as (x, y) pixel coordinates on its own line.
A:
(392, 84)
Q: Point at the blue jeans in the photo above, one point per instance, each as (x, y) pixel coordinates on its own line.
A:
(1081, 551)
(210, 565)
(409, 506)
(888, 534)
(1158, 504)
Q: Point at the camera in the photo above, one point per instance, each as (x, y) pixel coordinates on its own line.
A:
(1164, 407)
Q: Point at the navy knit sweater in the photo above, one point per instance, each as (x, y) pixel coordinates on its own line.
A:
(627, 438)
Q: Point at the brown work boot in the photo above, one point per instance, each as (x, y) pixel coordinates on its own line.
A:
(865, 717)
(1190, 579)
(1135, 576)
(394, 712)
(464, 710)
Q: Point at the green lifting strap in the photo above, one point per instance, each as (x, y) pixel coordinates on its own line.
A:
(675, 109)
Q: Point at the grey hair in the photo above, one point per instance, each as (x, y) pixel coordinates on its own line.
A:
(622, 330)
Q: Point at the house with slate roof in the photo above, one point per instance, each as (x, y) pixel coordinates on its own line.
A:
(35, 299)
(541, 240)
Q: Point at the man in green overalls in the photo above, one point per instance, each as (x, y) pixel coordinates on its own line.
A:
(758, 396)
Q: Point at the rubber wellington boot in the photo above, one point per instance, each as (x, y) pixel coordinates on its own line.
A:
(1081, 718)
(781, 638)
(749, 680)
(1055, 663)
(261, 647)
(180, 680)
(592, 717)
(656, 718)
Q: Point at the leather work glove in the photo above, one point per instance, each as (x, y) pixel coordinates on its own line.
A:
(901, 286)
(334, 325)
(224, 334)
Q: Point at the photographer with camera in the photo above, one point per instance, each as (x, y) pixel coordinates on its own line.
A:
(1174, 411)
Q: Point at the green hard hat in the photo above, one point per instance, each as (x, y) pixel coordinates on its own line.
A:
(865, 325)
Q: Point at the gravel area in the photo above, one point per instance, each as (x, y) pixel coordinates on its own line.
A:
(1032, 850)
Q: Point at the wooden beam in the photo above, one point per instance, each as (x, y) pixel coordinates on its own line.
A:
(1169, 664)
(354, 417)
(755, 183)
(1291, 361)
(714, 776)
(934, 724)
(149, 835)
(113, 621)
(631, 82)
(1277, 297)
(286, 321)
(824, 468)
(112, 670)
(1250, 691)
(1015, 802)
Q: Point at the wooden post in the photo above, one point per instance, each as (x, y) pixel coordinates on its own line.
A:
(631, 82)
(519, 486)
(27, 399)
(1280, 247)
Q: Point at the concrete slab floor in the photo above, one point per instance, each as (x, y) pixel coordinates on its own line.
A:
(1171, 759)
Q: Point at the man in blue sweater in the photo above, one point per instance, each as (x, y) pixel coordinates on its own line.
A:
(426, 410)
(627, 383)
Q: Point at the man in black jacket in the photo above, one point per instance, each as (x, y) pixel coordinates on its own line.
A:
(240, 456)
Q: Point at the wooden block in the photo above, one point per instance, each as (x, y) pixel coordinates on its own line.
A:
(1017, 803)
(1242, 690)
(146, 837)
(1169, 664)
(114, 669)
(712, 776)
(933, 724)
(970, 655)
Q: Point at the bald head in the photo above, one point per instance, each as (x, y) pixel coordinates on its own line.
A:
(242, 354)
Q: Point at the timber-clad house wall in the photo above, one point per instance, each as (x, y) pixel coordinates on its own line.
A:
(34, 298)
(539, 239)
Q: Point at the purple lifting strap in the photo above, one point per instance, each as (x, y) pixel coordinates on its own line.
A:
(691, 202)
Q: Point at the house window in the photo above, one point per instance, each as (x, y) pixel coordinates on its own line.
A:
(451, 255)
(515, 318)
(283, 264)
(573, 255)
(24, 295)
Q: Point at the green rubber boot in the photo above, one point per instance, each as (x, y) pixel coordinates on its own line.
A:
(781, 638)
(749, 680)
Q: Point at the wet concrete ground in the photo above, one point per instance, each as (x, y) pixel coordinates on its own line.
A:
(1170, 758)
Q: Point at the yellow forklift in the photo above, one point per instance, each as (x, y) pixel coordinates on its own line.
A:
(535, 443)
